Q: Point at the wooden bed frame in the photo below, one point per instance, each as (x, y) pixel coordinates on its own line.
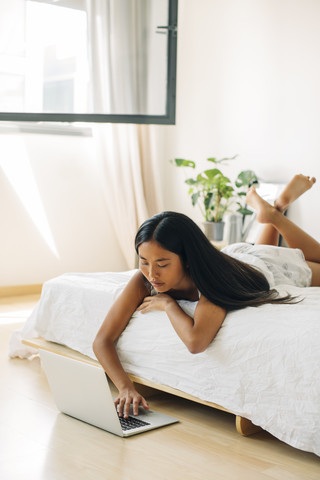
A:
(145, 387)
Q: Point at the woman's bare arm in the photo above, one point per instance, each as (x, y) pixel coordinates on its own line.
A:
(196, 333)
(104, 349)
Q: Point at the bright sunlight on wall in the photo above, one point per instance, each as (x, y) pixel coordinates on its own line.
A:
(15, 164)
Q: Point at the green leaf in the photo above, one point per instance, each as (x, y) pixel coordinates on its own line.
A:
(214, 160)
(201, 179)
(194, 198)
(190, 181)
(208, 201)
(243, 210)
(212, 172)
(180, 162)
(246, 178)
(226, 159)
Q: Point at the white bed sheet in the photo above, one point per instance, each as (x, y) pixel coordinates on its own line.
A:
(262, 365)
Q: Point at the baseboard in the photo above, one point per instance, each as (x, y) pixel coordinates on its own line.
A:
(18, 290)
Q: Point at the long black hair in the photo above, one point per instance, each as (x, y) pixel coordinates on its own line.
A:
(222, 279)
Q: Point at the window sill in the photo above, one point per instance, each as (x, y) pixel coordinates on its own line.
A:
(54, 128)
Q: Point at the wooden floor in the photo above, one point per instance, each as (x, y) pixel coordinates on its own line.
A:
(37, 442)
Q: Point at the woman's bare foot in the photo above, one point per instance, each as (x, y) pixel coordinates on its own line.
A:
(295, 188)
(265, 212)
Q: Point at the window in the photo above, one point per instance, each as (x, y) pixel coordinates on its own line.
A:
(77, 61)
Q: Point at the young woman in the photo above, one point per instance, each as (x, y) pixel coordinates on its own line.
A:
(176, 261)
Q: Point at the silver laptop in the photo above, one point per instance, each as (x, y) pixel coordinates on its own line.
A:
(82, 391)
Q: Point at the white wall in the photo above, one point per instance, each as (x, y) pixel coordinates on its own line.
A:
(53, 214)
(248, 84)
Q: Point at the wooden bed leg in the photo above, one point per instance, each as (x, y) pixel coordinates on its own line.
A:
(245, 427)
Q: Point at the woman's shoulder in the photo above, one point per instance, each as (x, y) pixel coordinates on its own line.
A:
(138, 284)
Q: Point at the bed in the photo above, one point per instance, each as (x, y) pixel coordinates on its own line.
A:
(263, 366)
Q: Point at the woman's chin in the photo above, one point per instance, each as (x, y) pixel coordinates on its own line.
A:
(160, 288)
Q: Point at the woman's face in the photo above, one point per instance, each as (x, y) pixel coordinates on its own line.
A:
(162, 268)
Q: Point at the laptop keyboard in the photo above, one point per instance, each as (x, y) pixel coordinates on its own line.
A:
(131, 422)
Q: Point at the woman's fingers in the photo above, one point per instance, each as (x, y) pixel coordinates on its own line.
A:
(156, 302)
(146, 302)
(145, 404)
(135, 406)
(120, 403)
(123, 403)
(126, 410)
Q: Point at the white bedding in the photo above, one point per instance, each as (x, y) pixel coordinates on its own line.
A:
(262, 365)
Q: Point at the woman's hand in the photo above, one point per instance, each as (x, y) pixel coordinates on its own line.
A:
(155, 302)
(129, 396)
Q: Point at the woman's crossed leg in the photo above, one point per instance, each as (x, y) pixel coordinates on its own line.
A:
(276, 223)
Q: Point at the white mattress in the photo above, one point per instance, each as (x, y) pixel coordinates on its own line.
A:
(263, 364)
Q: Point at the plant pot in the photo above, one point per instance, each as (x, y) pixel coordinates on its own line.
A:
(214, 230)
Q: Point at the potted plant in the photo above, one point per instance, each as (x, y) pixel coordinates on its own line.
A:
(213, 192)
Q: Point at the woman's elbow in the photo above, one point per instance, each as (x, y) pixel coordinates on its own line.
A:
(96, 345)
(198, 343)
(99, 344)
(195, 347)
